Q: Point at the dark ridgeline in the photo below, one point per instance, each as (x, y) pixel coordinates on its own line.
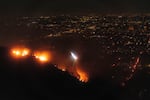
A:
(25, 79)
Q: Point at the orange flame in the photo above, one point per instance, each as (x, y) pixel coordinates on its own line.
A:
(20, 52)
(76, 72)
(42, 56)
(83, 77)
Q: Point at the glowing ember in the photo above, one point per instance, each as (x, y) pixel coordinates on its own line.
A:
(63, 69)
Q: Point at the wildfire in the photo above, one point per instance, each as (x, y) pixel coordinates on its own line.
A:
(42, 56)
(83, 77)
(46, 56)
(20, 52)
(76, 72)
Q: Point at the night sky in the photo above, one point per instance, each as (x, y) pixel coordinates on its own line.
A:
(73, 6)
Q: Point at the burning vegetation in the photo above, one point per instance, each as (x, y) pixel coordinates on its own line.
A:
(46, 57)
(77, 72)
(42, 56)
(74, 64)
(20, 52)
(83, 76)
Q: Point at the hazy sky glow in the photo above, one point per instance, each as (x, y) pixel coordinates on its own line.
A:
(54, 6)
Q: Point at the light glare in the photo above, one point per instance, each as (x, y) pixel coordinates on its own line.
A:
(74, 56)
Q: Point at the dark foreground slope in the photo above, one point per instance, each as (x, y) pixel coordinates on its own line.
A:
(25, 79)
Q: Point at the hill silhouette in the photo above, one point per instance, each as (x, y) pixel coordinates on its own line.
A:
(26, 79)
